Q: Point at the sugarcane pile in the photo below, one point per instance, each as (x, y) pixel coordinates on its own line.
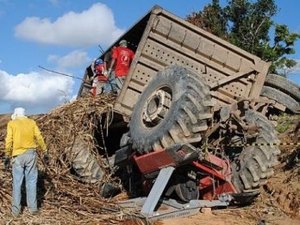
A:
(62, 197)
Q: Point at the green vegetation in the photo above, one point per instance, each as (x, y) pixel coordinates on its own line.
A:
(286, 122)
(248, 24)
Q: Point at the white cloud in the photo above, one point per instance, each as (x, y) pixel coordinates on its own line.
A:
(92, 26)
(74, 59)
(293, 74)
(296, 69)
(37, 92)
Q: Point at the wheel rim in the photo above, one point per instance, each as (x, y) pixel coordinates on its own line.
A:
(156, 107)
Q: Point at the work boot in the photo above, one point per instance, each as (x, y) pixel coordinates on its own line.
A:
(34, 212)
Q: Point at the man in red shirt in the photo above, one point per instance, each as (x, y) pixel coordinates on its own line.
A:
(122, 57)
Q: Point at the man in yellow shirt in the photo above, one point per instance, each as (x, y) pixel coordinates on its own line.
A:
(22, 139)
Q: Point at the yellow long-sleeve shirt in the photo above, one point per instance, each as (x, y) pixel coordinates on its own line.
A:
(22, 134)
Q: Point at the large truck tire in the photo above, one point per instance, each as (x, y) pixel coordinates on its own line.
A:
(284, 85)
(275, 94)
(84, 163)
(173, 108)
(255, 163)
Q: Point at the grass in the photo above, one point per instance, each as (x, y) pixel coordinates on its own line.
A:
(286, 122)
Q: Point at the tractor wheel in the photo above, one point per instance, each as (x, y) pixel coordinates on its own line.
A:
(256, 160)
(85, 163)
(174, 108)
(282, 98)
(284, 85)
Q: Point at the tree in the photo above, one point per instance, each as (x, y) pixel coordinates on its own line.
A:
(212, 19)
(283, 45)
(248, 24)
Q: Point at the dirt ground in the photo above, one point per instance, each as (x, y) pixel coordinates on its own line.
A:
(278, 203)
(227, 217)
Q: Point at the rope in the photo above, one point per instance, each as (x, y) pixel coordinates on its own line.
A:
(104, 144)
(109, 119)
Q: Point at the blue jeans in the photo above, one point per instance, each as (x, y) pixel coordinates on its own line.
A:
(114, 84)
(25, 165)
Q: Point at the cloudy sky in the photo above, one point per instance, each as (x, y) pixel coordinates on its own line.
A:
(64, 35)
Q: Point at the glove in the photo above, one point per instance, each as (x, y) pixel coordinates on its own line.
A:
(46, 158)
(6, 162)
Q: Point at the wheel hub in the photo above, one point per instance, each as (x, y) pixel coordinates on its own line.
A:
(156, 108)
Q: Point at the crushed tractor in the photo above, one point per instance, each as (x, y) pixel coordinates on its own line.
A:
(192, 119)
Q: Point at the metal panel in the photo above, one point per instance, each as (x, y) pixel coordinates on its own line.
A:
(142, 73)
(231, 72)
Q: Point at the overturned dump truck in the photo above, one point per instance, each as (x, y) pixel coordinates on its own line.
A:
(188, 87)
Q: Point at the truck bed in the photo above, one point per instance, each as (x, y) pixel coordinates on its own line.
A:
(161, 38)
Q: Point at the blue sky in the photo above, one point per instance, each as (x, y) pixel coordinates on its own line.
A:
(64, 35)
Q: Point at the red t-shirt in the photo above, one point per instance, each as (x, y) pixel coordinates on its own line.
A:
(99, 69)
(123, 57)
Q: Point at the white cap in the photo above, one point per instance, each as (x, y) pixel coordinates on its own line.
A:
(18, 112)
(123, 43)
